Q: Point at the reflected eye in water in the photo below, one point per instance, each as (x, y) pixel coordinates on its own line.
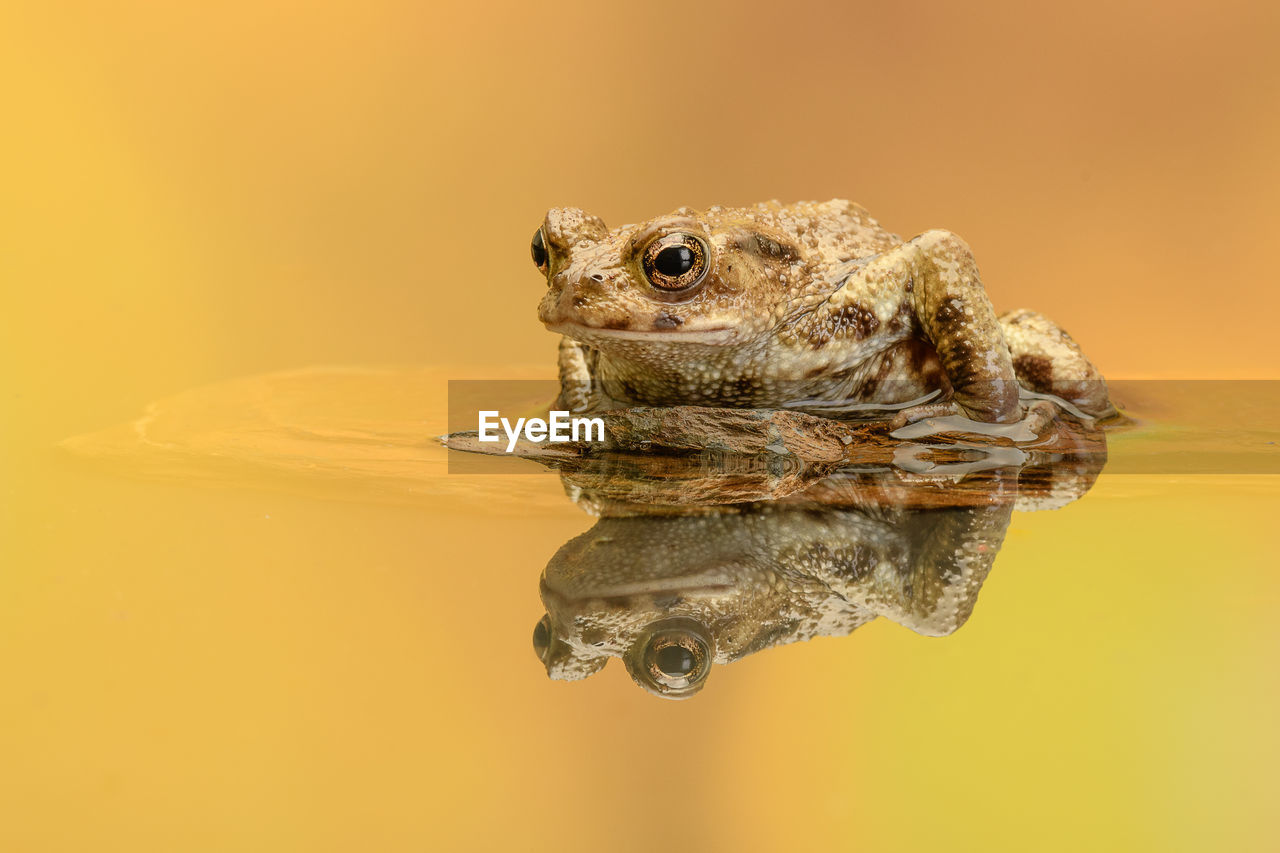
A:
(538, 249)
(542, 637)
(672, 660)
(675, 262)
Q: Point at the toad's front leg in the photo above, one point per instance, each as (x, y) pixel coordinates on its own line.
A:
(952, 312)
(580, 388)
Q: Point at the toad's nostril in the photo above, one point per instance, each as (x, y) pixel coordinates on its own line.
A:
(595, 276)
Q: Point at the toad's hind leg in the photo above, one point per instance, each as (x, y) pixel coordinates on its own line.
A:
(1047, 361)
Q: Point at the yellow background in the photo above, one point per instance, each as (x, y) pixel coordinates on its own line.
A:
(193, 192)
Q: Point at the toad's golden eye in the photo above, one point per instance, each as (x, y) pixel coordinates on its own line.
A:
(675, 261)
(673, 661)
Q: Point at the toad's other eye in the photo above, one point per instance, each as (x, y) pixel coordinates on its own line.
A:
(542, 637)
(675, 262)
(538, 249)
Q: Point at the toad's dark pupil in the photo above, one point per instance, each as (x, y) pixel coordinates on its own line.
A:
(538, 249)
(674, 261)
(541, 636)
(674, 660)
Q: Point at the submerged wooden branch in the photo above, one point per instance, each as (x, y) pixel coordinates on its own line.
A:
(751, 432)
(686, 456)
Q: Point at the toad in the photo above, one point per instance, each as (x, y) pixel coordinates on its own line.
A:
(673, 595)
(809, 306)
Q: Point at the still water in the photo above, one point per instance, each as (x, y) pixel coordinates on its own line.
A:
(266, 616)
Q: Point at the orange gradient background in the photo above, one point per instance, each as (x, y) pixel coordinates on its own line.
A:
(195, 192)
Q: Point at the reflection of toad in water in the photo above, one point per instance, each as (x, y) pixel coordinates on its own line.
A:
(673, 590)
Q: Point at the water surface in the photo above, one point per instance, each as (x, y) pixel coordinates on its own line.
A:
(333, 652)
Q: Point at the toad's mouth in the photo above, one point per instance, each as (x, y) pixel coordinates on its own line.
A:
(578, 331)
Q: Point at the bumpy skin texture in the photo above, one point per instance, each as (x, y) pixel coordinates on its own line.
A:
(811, 306)
(739, 581)
(732, 578)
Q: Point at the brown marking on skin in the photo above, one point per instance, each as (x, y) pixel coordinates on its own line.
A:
(664, 322)
(933, 376)
(901, 319)
(921, 355)
(962, 364)
(817, 335)
(744, 388)
(909, 364)
(859, 319)
(1035, 371)
(770, 635)
(767, 246)
(961, 350)
(906, 366)
(927, 367)
(771, 248)
(856, 320)
(630, 389)
(959, 363)
(869, 386)
(949, 316)
(615, 323)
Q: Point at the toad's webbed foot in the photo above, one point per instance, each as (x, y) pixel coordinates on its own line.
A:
(947, 416)
(924, 411)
